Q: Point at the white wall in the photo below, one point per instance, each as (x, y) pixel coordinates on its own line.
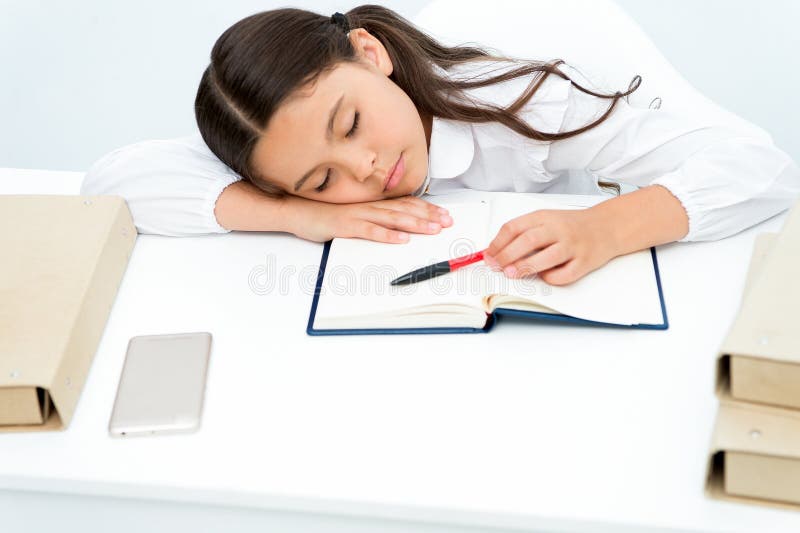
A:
(740, 53)
(81, 77)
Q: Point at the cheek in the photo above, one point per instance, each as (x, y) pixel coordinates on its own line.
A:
(344, 193)
(397, 113)
(352, 193)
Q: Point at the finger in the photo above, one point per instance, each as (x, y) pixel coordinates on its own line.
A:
(510, 231)
(434, 213)
(419, 208)
(433, 209)
(527, 242)
(564, 274)
(548, 258)
(363, 229)
(400, 220)
(419, 201)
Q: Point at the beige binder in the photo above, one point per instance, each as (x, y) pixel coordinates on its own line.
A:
(755, 448)
(63, 261)
(755, 455)
(759, 360)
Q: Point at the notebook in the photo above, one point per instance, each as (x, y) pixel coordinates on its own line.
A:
(353, 294)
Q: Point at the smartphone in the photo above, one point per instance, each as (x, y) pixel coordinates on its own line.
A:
(162, 385)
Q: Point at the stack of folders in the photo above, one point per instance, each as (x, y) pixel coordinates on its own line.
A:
(755, 448)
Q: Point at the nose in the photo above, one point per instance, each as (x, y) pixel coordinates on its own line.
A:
(361, 163)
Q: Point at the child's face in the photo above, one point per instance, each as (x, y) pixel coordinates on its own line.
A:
(297, 151)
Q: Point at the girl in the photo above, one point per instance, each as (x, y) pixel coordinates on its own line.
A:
(365, 110)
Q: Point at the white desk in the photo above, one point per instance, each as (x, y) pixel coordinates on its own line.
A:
(533, 427)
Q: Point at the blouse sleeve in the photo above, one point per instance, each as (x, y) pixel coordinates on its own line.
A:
(171, 186)
(728, 176)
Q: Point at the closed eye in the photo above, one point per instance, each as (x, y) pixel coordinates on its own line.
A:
(355, 125)
(324, 185)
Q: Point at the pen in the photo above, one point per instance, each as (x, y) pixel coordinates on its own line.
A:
(437, 269)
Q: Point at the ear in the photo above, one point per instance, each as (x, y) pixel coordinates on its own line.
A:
(370, 49)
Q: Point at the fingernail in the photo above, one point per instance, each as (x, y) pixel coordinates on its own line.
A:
(433, 226)
(510, 271)
(492, 263)
(446, 220)
(443, 211)
(402, 236)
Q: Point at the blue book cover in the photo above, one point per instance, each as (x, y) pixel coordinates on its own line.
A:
(491, 319)
(353, 295)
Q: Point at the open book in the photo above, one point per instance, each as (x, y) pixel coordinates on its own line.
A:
(354, 296)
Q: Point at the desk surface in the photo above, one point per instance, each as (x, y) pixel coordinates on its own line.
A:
(532, 426)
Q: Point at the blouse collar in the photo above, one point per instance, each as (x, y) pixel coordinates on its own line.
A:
(450, 153)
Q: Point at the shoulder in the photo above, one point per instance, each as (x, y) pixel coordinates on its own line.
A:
(187, 155)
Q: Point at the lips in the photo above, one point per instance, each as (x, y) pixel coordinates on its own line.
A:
(395, 174)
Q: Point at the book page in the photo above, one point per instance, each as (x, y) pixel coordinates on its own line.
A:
(624, 291)
(356, 292)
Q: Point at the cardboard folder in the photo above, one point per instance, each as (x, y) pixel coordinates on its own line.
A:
(63, 259)
(759, 360)
(755, 448)
(755, 455)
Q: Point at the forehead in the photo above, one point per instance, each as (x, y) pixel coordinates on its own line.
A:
(313, 97)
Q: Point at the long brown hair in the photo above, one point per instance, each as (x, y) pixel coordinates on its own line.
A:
(262, 59)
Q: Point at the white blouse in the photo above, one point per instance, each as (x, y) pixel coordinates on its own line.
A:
(727, 176)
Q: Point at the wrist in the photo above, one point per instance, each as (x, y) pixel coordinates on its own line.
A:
(647, 217)
(288, 214)
(307, 219)
(607, 232)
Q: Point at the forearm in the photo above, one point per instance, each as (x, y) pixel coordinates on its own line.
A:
(242, 206)
(638, 220)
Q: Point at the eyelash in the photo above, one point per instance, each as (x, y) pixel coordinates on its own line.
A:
(324, 185)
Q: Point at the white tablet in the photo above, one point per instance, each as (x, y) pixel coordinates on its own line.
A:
(162, 385)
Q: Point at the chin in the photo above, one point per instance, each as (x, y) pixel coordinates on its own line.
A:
(400, 191)
(395, 194)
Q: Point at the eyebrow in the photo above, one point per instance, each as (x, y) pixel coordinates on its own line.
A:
(328, 135)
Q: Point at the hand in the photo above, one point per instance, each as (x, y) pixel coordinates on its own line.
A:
(387, 221)
(560, 246)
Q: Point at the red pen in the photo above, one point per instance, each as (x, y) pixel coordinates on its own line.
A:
(437, 269)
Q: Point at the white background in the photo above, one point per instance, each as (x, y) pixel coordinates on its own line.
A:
(80, 78)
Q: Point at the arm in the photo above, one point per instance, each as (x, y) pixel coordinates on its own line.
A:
(701, 180)
(727, 174)
(647, 217)
(178, 187)
(243, 207)
(170, 186)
